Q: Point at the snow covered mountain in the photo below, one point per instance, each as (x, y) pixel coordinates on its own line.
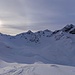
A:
(48, 47)
(38, 53)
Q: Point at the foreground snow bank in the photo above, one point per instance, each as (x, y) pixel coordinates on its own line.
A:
(36, 69)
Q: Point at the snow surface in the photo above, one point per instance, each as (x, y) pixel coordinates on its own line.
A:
(36, 69)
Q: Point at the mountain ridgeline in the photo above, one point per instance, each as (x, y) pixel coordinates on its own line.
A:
(35, 37)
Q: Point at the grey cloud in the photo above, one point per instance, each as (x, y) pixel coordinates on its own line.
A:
(37, 14)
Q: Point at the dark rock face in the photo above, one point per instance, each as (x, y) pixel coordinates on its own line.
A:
(68, 28)
(56, 31)
(72, 32)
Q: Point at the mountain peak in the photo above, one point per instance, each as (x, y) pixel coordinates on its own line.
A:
(71, 25)
(68, 28)
(29, 32)
(47, 30)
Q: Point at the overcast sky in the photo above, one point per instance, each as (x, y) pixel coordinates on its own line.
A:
(21, 15)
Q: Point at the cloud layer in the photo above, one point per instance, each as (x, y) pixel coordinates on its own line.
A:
(23, 15)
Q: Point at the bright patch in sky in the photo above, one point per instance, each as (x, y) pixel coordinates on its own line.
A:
(1, 23)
